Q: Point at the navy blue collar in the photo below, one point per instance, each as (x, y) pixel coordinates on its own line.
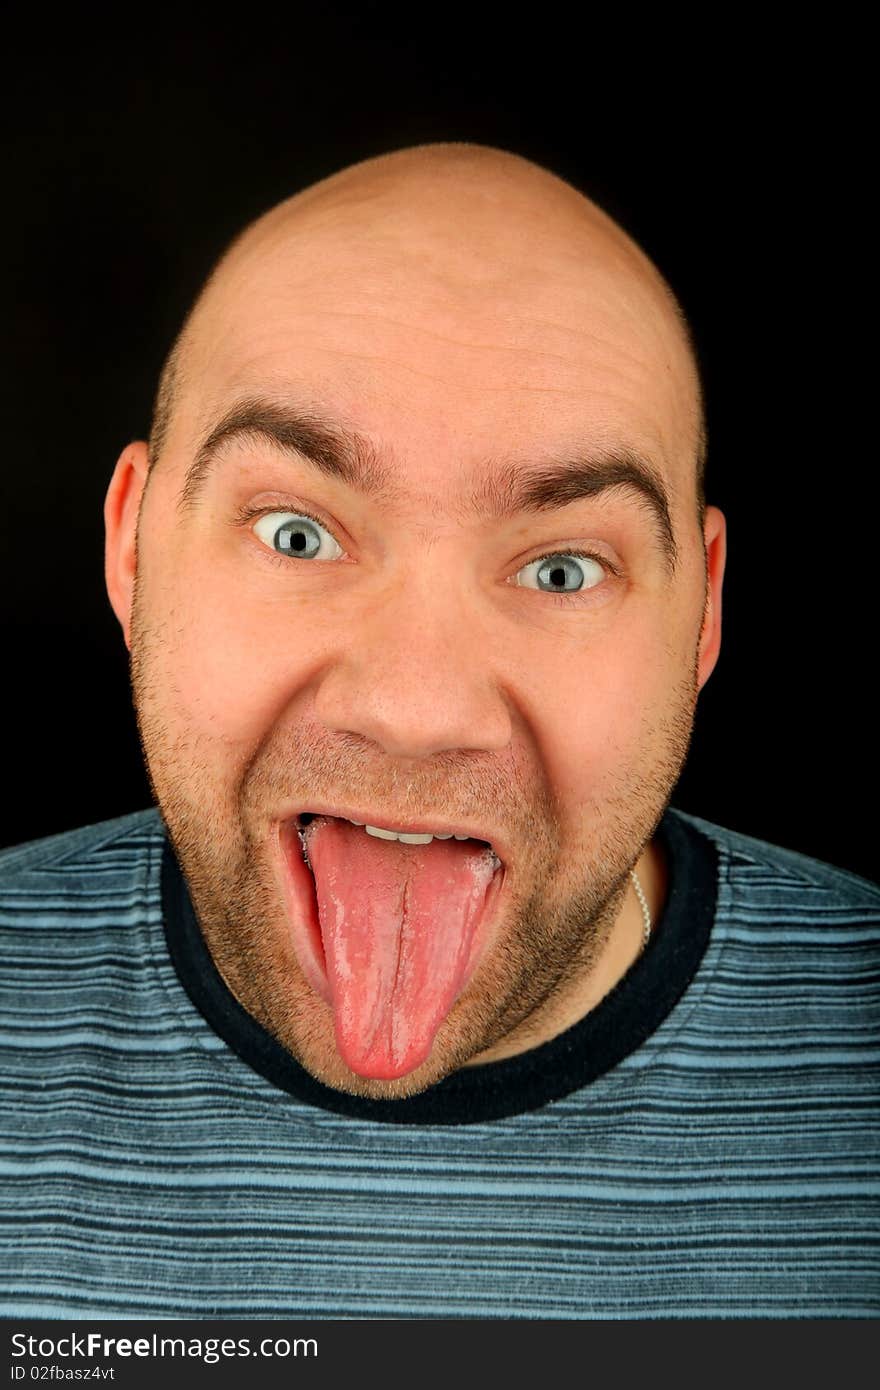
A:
(619, 1024)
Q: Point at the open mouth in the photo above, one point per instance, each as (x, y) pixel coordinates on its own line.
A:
(389, 924)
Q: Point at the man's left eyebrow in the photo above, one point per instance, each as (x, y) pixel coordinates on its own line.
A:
(513, 489)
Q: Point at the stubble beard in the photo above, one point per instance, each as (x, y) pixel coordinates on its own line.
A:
(557, 923)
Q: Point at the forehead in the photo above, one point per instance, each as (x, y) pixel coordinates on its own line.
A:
(443, 351)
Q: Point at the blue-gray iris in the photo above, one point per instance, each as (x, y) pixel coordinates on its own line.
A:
(556, 572)
(298, 537)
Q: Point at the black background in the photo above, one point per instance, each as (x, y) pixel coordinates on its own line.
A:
(137, 145)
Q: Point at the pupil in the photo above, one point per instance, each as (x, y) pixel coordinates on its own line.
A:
(297, 541)
(557, 576)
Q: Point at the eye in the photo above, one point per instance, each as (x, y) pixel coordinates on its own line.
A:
(562, 573)
(291, 533)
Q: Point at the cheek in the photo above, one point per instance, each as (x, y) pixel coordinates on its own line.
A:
(230, 662)
(604, 707)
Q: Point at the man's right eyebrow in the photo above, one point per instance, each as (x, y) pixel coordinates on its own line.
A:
(337, 451)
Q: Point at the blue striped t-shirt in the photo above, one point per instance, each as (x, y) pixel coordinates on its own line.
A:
(705, 1143)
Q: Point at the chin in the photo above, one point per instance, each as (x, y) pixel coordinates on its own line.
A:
(329, 1068)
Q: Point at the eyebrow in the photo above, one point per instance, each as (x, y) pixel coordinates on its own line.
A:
(347, 456)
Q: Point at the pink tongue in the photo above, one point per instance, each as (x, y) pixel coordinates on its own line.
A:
(397, 922)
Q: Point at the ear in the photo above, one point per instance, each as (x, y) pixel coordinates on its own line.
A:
(121, 508)
(715, 540)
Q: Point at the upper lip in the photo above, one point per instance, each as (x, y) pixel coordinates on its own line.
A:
(389, 821)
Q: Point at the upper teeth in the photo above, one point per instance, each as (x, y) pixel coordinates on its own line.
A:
(406, 838)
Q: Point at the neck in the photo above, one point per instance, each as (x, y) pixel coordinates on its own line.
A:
(623, 946)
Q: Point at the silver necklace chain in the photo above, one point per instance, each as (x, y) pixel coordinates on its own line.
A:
(643, 904)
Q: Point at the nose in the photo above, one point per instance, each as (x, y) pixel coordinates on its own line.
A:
(415, 676)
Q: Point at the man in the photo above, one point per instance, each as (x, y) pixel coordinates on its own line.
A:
(419, 1000)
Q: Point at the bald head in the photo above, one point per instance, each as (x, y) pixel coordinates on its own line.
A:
(461, 235)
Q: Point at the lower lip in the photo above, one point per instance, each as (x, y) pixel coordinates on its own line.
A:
(298, 893)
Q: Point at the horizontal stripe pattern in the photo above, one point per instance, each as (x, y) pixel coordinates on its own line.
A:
(727, 1168)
